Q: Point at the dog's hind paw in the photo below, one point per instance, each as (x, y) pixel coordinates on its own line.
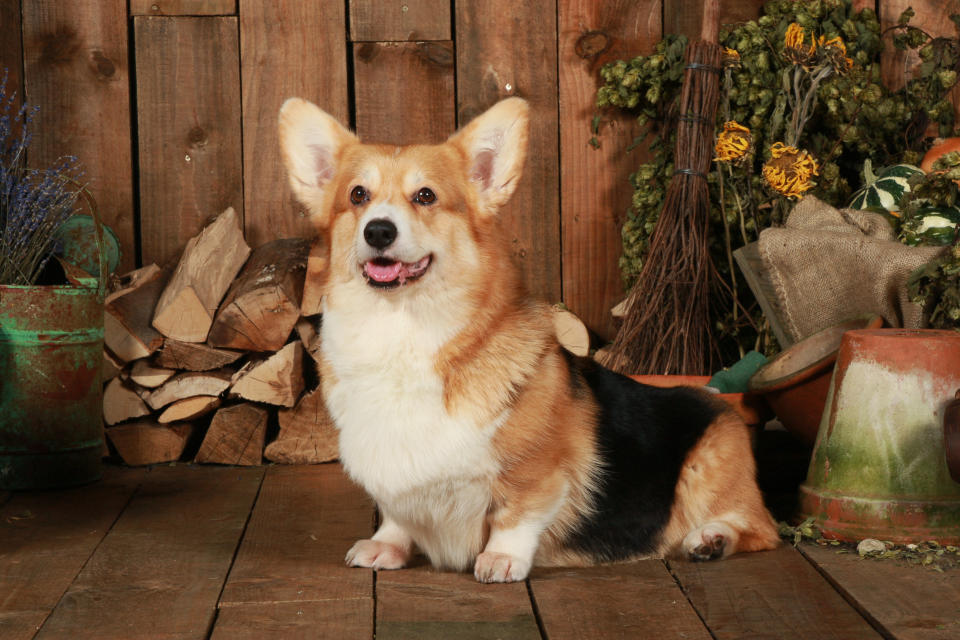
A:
(711, 541)
(500, 567)
(376, 555)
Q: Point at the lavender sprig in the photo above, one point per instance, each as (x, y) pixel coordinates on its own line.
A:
(34, 203)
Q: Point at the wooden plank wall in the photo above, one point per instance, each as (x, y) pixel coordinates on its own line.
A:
(171, 106)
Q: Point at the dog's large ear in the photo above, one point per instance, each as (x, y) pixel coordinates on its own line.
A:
(311, 141)
(496, 144)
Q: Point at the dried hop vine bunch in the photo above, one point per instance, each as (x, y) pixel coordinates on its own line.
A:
(734, 143)
(790, 171)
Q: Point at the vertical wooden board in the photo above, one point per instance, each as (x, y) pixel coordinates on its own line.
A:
(288, 48)
(684, 16)
(327, 620)
(45, 539)
(506, 53)
(306, 519)
(399, 20)
(769, 594)
(933, 16)
(159, 571)
(188, 117)
(595, 183)
(634, 600)
(76, 71)
(183, 7)
(909, 602)
(11, 48)
(414, 79)
(423, 604)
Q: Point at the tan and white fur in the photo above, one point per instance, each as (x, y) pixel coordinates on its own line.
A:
(484, 445)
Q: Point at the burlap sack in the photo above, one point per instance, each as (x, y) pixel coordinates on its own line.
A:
(828, 265)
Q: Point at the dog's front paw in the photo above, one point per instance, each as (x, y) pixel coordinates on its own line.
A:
(500, 567)
(376, 555)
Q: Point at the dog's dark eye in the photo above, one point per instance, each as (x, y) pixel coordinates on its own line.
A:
(425, 196)
(359, 195)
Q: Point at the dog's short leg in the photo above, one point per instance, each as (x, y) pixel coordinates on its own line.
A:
(716, 539)
(389, 548)
(509, 553)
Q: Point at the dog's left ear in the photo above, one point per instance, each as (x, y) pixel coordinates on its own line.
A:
(495, 143)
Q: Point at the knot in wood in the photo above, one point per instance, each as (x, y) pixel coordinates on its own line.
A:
(592, 44)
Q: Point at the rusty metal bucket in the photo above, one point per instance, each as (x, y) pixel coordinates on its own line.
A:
(879, 468)
(51, 395)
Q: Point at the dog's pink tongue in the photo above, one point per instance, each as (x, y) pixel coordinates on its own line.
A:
(383, 272)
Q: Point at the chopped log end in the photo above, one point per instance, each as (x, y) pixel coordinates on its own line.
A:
(236, 436)
(278, 380)
(120, 403)
(571, 332)
(188, 409)
(191, 356)
(307, 434)
(146, 442)
(184, 318)
(146, 375)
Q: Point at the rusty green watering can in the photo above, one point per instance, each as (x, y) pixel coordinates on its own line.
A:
(51, 394)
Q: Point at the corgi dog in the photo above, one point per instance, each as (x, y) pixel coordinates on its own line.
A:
(484, 444)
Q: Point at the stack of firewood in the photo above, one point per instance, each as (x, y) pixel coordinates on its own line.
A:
(213, 357)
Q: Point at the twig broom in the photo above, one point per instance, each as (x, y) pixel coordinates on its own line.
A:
(667, 327)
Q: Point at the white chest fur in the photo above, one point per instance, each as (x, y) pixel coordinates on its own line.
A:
(428, 469)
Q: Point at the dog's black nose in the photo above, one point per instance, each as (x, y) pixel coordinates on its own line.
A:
(380, 233)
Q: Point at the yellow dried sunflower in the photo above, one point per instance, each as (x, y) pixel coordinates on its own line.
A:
(790, 171)
(730, 58)
(734, 143)
(835, 52)
(794, 49)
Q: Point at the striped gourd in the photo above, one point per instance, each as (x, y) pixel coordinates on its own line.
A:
(884, 191)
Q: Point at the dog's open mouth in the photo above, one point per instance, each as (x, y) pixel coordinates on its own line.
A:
(386, 273)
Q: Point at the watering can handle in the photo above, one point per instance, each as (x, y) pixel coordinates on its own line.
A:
(97, 234)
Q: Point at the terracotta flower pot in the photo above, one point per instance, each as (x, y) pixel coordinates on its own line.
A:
(879, 468)
(796, 381)
(751, 407)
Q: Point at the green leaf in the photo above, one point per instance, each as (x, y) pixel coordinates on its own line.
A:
(906, 16)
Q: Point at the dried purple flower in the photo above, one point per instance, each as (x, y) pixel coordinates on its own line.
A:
(33, 202)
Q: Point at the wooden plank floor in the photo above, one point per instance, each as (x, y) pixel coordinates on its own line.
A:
(235, 553)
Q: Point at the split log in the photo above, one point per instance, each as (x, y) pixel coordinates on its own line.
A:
(307, 434)
(188, 385)
(127, 331)
(316, 278)
(571, 332)
(209, 263)
(111, 366)
(120, 403)
(146, 375)
(146, 442)
(263, 303)
(277, 380)
(192, 356)
(236, 436)
(188, 409)
(619, 311)
(309, 336)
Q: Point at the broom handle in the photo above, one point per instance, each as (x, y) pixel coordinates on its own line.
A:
(710, 24)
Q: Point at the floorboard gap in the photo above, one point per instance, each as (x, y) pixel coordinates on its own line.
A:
(236, 550)
(853, 602)
(683, 590)
(536, 611)
(93, 551)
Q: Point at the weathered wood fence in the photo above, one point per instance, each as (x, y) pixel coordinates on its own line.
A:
(171, 106)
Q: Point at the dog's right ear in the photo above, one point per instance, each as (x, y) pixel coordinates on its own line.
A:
(311, 141)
